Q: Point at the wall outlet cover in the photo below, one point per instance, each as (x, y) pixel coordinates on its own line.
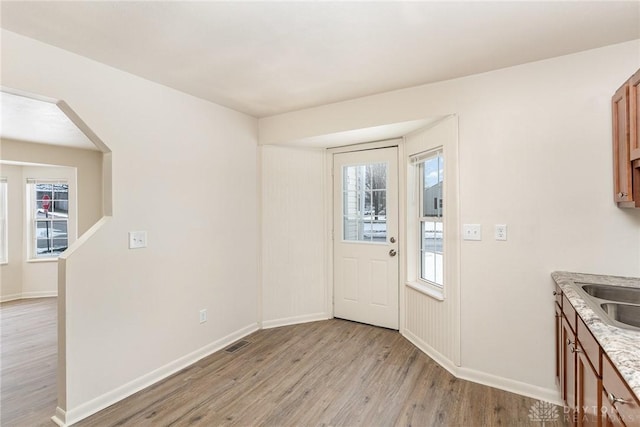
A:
(472, 232)
(137, 239)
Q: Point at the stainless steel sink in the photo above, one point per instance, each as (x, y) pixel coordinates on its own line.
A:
(614, 293)
(623, 313)
(617, 305)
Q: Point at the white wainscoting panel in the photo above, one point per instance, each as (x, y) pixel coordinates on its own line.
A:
(293, 234)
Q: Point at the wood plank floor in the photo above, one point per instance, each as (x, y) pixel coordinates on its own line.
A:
(328, 373)
(28, 357)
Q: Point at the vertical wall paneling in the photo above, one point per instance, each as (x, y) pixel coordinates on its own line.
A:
(434, 323)
(293, 236)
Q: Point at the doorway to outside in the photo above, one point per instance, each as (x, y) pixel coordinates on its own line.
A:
(365, 240)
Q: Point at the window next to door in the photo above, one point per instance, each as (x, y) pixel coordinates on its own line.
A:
(48, 210)
(426, 222)
(430, 209)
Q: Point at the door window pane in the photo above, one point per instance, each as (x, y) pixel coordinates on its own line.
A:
(364, 202)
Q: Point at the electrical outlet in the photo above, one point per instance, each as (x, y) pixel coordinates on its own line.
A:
(137, 239)
(501, 232)
(472, 232)
(203, 315)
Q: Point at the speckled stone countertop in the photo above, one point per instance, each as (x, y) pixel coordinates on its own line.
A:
(621, 345)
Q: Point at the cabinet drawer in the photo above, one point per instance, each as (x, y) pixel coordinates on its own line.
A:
(569, 312)
(615, 386)
(589, 346)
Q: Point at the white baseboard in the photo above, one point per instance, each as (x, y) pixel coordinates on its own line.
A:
(28, 295)
(10, 297)
(506, 384)
(40, 294)
(439, 358)
(60, 417)
(86, 409)
(268, 324)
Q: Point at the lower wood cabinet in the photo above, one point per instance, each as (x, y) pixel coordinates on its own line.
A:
(588, 378)
(610, 417)
(568, 379)
(594, 392)
(623, 409)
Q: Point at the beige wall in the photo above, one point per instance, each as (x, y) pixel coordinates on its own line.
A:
(11, 273)
(88, 164)
(22, 278)
(184, 170)
(535, 154)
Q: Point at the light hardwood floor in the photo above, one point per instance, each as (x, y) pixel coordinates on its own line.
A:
(28, 342)
(328, 373)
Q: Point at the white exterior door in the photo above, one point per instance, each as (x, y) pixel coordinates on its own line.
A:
(365, 243)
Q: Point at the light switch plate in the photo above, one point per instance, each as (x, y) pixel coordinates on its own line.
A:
(137, 239)
(472, 232)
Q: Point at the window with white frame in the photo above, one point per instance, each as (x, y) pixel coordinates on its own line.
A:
(48, 208)
(4, 246)
(430, 167)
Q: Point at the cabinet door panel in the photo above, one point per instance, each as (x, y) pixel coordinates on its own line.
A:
(588, 392)
(615, 387)
(610, 417)
(569, 369)
(621, 161)
(559, 371)
(634, 117)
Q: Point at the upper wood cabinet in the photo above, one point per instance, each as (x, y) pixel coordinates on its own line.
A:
(634, 116)
(625, 108)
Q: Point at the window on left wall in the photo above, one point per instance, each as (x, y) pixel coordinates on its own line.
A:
(49, 217)
(4, 246)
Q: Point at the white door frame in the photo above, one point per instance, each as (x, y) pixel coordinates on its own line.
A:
(396, 142)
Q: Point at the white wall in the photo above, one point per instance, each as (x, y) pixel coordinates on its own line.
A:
(293, 250)
(535, 154)
(184, 170)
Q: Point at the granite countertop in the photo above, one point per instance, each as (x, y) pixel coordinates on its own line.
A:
(620, 344)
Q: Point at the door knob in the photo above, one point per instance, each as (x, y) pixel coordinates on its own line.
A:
(392, 252)
(392, 240)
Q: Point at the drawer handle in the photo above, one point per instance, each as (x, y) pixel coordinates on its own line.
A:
(556, 293)
(576, 350)
(621, 195)
(615, 400)
(569, 342)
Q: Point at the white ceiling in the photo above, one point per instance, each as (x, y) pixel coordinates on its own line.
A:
(265, 58)
(31, 120)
